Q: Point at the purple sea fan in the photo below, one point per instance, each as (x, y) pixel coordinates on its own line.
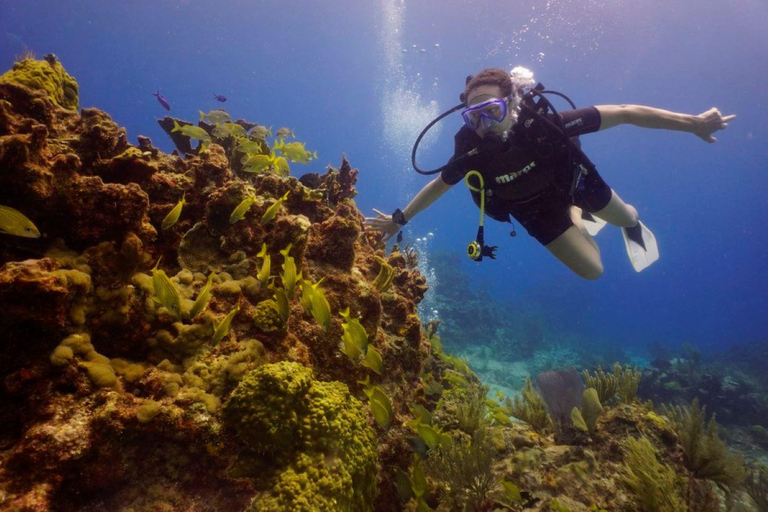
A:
(561, 390)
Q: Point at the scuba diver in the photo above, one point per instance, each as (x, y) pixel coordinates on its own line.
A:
(522, 158)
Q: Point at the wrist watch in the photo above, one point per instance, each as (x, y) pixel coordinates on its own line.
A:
(398, 217)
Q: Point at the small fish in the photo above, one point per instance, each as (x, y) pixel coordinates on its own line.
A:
(240, 210)
(266, 265)
(13, 222)
(216, 117)
(193, 132)
(281, 166)
(373, 360)
(272, 210)
(229, 130)
(161, 99)
(250, 147)
(261, 132)
(202, 298)
(295, 151)
(429, 435)
(400, 237)
(220, 97)
(381, 406)
(306, 295)
(283, 305)
(321, 309)
(165, 291)
(284, 133)
(349, 347)
(257, 163)
(174, 214)
(223, 328)
(423, 50)
(290, 275)
(356, 331)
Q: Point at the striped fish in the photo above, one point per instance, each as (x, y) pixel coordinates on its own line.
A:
(13, 222)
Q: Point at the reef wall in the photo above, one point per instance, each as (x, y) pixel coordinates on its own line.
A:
(107, 390)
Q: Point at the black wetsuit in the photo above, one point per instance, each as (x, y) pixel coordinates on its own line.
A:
(532, 182)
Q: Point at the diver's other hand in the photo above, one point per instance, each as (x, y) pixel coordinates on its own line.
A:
(709, 122)
(384, 223)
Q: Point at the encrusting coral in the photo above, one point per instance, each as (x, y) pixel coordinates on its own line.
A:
(278, 362)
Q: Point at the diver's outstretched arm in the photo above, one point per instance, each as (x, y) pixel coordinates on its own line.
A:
(702, 125)
(425, 197)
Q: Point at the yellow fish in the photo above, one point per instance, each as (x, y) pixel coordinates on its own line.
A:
(272, 210)
(257, 163)
(202, 297)
(215, 116)
(223, 328)
(174, 214)
(13, 222)
(283, 305)
(240, 210)
(304, 158)
(373, 360)
(250, 146)
(166, 293)
(354, 338)
(348, 346)
(284, 133)
(306, 295)
(193, 132)
(281, 166)
(321, 309)
(266, 265)
(381, 406)
(289, 272)
(295, 151)
(230, 130)
(261, 132)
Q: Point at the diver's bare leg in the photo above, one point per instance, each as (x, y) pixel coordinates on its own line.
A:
(618, 213)
(578, 251)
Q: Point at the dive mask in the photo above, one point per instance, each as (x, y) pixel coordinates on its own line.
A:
(487, 113)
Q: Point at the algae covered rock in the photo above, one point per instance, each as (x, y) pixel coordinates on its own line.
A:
(48, 75)
(318, 427)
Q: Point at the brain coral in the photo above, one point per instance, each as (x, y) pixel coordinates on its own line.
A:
(47, 74)
(319, 427)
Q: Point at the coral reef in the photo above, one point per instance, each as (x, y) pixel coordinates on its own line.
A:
(255, 349)
(116, 378)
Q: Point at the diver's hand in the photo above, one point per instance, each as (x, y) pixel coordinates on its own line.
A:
(709, 122)
(384, 223)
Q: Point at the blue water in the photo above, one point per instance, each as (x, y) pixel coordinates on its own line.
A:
(336, 73)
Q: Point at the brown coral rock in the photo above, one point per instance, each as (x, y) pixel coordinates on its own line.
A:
(333, 241)
(80, 413)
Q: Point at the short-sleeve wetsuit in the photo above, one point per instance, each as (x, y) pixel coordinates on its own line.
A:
(530, 184)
